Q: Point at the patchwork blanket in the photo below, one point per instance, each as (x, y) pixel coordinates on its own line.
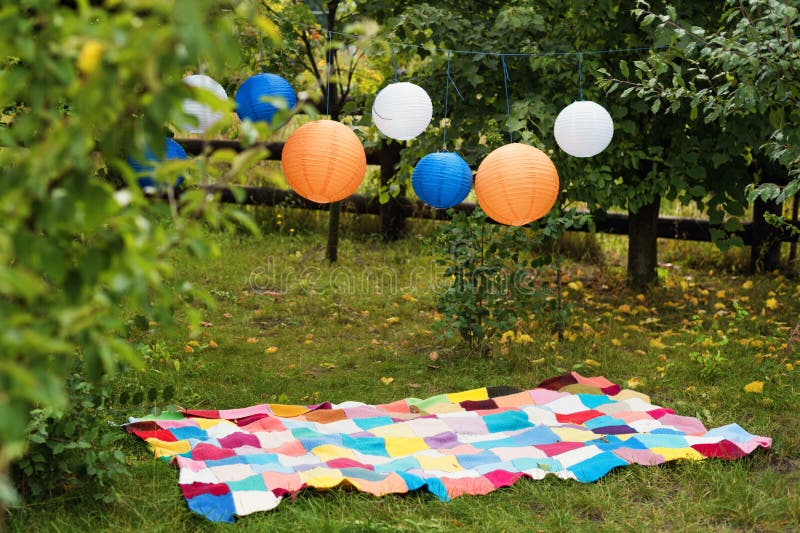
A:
(239, 461)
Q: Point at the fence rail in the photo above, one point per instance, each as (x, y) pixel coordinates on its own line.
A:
(612, 223)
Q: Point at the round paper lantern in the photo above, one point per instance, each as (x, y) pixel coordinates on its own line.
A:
(442, 179)
(206, 117)
(583, 129)
(252, 95)
(324, 161)
(172, 150)
(402, 110)
(516, 184)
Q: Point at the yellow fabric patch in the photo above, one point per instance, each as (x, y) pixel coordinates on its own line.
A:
(322, 478)
(447, 463)
(574, 434)
(440, 408)
(205, 423)
(393, 430)
(168, 449)
(399, 446)
(328, 452)
(287, 411)
(472, 395)
(671, 454)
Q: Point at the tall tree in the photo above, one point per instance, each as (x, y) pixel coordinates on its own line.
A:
(739, 74)
(651, 156)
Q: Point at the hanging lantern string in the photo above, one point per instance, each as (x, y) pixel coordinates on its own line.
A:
(447, 82)
(394, 62)
(329, 67)
(446, 99)
(580, 75)
(506, 79)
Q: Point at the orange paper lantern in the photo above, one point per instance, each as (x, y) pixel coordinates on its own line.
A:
(516, 184)
(324, 161)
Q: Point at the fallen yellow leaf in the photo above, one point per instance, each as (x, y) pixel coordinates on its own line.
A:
(771, 303)
(747, 284)
(634, 383)
(755, 387)
(90, 55)
(251, 340)
(592, 363)
(656, 343)
(387, 381)
(271, 349)
(523, 338)
(616, 342)
(507, 335)
(393, 320)
(409, 298)
(212, 344)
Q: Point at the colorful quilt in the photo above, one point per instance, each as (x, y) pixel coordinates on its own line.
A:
(238, 461)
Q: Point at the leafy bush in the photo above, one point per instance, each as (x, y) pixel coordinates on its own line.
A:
(84, 85)
(492, 278)
(72, 448)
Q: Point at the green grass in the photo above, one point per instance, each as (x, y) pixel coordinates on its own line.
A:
(339, 329)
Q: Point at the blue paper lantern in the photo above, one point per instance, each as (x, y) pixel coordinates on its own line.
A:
(442, 179)
(172, 150)
(252, 95)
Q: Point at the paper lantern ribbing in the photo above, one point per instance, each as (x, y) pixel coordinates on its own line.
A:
(253, 95)
(516, 184)
(206, 117)
(324, 161)
(583, 129)
(402, 110)
(442, 179)
(172, 150)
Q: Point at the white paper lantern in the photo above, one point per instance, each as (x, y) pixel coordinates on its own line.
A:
(583, 129)
(402, 110)
(206, 117)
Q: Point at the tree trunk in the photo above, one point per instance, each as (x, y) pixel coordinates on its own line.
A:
(765, 252)
(331, 96)
(643, 245)
(393, 222)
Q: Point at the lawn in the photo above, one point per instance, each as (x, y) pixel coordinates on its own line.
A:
(289, 328)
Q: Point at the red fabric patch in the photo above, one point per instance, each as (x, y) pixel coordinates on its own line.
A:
(209, 452)
(479, 405)
(658, 413)
(558, 382)
(201, 413)
(578, 418)
(194, 489)
(502, 478)
(160, 434)
(724, 449)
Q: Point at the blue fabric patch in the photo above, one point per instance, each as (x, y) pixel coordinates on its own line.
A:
(216, 508)
(507, 421)
(593, 469)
